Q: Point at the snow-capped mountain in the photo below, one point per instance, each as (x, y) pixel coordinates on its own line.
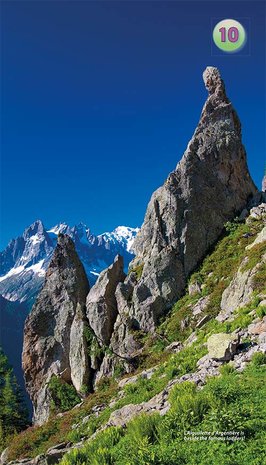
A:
(24, 261)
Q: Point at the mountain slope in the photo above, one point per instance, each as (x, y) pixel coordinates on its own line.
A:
(175, 354)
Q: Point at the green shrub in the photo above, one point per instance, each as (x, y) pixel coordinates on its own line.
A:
(97, 452)
(13, 411)
(188, 406)
(184, 361)
(64, 395)
(227, 369)
(142, 390)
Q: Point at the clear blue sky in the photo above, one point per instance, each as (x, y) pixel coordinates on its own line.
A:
(99, 100)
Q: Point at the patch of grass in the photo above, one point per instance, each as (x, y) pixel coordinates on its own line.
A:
(179, 325)
(142, 390)
(184, 361)
(261, 311)
(254, 256)
(37, 439)
(259, 279)
(258, 359)
(138, 270)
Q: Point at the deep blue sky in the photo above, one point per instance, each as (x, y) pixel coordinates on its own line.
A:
(99, 100)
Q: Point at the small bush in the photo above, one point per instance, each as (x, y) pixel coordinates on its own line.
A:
(184, 361)
(64, 395)
(227, 369)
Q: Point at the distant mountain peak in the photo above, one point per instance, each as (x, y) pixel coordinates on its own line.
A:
(24, 261)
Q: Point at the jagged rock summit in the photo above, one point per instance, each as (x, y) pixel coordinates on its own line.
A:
(54, 340)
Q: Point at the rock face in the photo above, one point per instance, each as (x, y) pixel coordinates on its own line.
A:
(185, 216)
(240, 290)
(101, 301)
(54, 331)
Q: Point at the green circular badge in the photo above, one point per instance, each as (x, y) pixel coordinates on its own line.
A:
(229, 35)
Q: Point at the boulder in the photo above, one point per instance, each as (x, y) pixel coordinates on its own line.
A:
(200, 306)
(258, 212)
(239, 292)
(258, 327)
(194, 288)
(261, 237)
(174, 347)
(202, 321)
(222, 346)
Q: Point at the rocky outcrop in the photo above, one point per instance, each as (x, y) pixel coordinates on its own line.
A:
(261, 237)
(240, 291)
(78, 352)
(185, 216)
(222, 346)
(54, 342)
(101, 301)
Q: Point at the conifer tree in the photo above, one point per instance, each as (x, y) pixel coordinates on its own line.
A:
(13, 411)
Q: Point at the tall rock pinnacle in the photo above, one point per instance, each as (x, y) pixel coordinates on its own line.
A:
(54, 339)
(185, 216)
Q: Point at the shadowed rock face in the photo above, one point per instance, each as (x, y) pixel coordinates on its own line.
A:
(185, 216)
(54, 341)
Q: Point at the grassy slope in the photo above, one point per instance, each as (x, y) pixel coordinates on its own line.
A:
(232, 402)
(215, 274)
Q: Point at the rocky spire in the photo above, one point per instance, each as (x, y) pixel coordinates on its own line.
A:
(214, 83)
(101, 301)
(185, 216)
(54, 339)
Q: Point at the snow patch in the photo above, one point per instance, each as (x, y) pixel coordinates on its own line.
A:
(37, 269)
(34, 239)
(12, 272)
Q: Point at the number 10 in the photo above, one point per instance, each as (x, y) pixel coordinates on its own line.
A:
(233, 34)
